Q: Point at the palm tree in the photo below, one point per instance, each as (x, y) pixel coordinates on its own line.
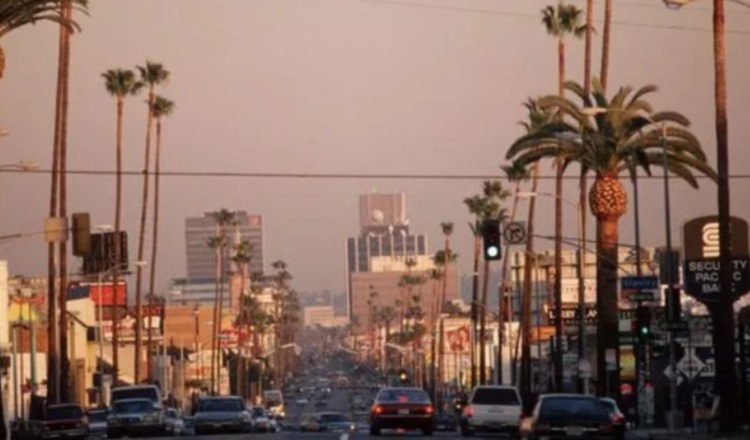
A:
(17, 14)
(160, 108)
(605, 43)
(219, 243)
(475, 204)
(241, 259)
(281, 280)
(152, 74)
(589, 28)
(560, 22)
(120, 83)
(626, 136)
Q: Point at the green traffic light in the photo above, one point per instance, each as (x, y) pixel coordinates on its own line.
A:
(644, 330)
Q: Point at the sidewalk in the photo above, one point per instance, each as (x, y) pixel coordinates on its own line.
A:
(684, 434)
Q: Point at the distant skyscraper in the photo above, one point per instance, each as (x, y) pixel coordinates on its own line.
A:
(201, 264)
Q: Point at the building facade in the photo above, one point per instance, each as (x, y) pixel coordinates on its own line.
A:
(201, 259)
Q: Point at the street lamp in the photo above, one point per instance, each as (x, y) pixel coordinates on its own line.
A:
(558, 360)
(100, 281)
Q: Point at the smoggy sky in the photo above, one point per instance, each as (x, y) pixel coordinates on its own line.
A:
(339, 86)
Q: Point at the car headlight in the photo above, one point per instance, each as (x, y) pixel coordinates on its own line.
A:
(245, 417)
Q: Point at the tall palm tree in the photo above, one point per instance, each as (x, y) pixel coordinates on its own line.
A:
(476, 206)
(560, 22)
(152, 75)
(223, 218)
(14, 15)
(241, 259)
(61, 147)
(730, 416)
(160, 108)
(588, 45)
(120, 83)
(281, 278)
(606, 37)
(628, 135)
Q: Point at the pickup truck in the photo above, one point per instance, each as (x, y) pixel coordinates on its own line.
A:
(492, 408)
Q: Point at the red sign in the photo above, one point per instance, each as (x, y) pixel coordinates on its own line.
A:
(106, 296)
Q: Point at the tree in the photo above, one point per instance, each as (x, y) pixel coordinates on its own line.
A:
(605, 43)
(241, 260)
(475, 204)
(160, 108)
(152, 75)
(120, 83)
(560, 22)
(281, 279)
(17, 14)
(627, 135)
(218, 243)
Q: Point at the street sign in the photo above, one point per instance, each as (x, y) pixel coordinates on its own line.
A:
(647, 282)
(642, 296)
(584, 368)
(675, 326)
(690, 365)
(700, 237)
(515, 233)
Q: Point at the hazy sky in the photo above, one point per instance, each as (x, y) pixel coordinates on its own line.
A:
(338, 86)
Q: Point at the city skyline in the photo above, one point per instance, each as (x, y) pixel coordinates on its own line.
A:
(439, 95)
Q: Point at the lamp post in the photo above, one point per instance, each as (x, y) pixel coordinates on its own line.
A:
(558, 359)
(100, 282)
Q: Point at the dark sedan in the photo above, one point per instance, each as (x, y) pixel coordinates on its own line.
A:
(222, 414)
(402, 408)
(570, 416)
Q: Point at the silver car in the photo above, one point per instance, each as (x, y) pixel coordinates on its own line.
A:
(221, 414)
(175, 424)
(133, 417)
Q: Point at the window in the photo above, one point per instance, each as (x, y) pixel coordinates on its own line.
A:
(64, 412)
(220, 405)
(496, 396)
(403, 396)
(133, 406)
(572, 408)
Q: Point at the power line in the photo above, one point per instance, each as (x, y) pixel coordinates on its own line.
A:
(330, 176)
(460, 9)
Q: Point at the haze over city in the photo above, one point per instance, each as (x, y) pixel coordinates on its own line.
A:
(417, 87)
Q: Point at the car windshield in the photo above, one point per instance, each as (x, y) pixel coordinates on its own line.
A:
(97, 416)
(259, 412)
(403, 396)
(133, 406)
(220, 405)
(172, 413)
(495, 396)
(64, 412)
(572, 407)
(135, 393)
(610, 405)
(334, 418)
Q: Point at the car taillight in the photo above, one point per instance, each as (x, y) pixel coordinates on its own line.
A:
(377, 409)
(616, 418)
(469, 411)
(429, 409)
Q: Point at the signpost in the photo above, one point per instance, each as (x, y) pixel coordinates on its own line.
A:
(515, 233)
(702, 266)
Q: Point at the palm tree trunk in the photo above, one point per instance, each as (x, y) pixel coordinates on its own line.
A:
(215, 325)
(154, 243)
(605, 43)
(220, 312)
(141, 251)
(557, 355)
(526, 299)
(722, 311)
(588, 46)
(483, 325)
(474, 302)
(118, 244)
(606, 301)
(63, 211)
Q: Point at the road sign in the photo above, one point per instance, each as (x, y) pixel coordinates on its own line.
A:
(515, 233)
(690, 365)
(647, 282)
(642, 296)
(584, 368)
(700, 237)
(676, 326)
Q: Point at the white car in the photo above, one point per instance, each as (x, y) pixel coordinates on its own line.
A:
(175, 424)
(492, 408)
(302, 401)
(263, 420)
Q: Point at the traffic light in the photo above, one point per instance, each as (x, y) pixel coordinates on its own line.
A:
(643, 323)
(403, 377)
(490, 230)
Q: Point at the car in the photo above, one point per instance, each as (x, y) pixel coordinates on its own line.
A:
(133, 417)
(402, 408)
(618, 418)
(263, 420)
(222, 414)
(175, 424)
(65, 421)
(329, 422)
(146, 391)
(570, 416)
(97, 422)
(492, 409)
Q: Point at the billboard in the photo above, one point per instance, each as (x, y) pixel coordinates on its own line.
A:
(104, 294)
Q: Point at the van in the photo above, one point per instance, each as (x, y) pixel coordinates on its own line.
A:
(150, 392)
(492, 408)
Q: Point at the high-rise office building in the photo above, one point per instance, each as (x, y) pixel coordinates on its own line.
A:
(201, 259)
(383, 253)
